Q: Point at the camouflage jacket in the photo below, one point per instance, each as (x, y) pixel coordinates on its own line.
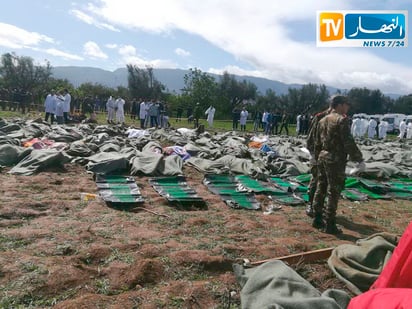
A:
(334, 140)
(310, 141)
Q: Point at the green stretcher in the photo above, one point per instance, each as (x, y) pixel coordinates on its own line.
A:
(303, 178)
(361, 186)
(257, 187)
(177, 192)
(288, 185)
(119, 191)
(231, 191)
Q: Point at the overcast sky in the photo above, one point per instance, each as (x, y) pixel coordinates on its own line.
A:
(265, 38)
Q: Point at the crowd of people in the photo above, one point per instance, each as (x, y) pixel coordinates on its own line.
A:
(362, 127)
(376, 128)
(15, 99)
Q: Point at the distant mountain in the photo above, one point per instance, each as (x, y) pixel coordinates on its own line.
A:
(171, 78)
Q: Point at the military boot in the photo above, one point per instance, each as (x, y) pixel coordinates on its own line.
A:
(318, 222)
(331, 228)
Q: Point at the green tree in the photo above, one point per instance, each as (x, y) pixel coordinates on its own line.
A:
(269, 101)
(200, 87)
(230, 91)
(143, 84)
(403, 105)
(20, 72)
(308, 99)
(368, 101)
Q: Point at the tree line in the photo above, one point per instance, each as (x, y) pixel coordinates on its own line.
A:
(225, 92)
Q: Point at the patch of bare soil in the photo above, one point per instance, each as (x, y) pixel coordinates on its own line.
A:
(58, 251)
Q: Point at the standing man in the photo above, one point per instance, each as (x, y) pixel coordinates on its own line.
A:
(383, 127)
(59, 112)
(314, 153)
(402, 129)
(66, 105)
(243, 118)
(50, 106)
(298, 124)
(120, 110)
(372, 128)
(334, 142)
(143, 114)
(134, 109)
(197, 113)
(210, 112)
(110, 106)
(284, 124)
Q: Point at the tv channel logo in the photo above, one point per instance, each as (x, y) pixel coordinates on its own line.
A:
(362, 29)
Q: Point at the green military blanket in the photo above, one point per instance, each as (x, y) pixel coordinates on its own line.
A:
(359, 265)
(275, 285)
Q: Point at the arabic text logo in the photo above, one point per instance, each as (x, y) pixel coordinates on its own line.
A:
(331, 26)
(383, 28)
(374, 26)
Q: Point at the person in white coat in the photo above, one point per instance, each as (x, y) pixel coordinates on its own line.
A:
(243, 118)
(382, 129)
(402, 129)
(143, 114)
(59, 108)
(298, 121)
(110, 106)
(66, 105)
(120, 110)
(50, 106)
(409, 130)
(372, 128)
(364, 126)
(356, 128)
(210, 112)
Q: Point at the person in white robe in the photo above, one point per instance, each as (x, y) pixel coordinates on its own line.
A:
(372, 128)
(66, 105)
(50, 106)
(364, 126)
(402, 129)
(110, 106)
(243, 118)
(59, 108)
(409, 130)
(356, 128)
(382, 129)
(210, 112)
(143, 114)
(120, 110)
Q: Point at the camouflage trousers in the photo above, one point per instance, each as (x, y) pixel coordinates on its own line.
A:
(331, 181)
(313, 182)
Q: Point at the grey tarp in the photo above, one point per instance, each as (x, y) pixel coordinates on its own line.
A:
(11, 154)
(383, 159)
(79, 149)
(39, 159)
(208, 166)
(108, 162)
(150, 163)
(359, 265)
(243, 166)
(275, 285)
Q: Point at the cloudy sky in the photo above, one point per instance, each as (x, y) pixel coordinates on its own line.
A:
(266, 38)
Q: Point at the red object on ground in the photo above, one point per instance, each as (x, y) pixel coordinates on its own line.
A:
(393, 288)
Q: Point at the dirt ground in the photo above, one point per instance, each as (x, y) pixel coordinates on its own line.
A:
(58, 251)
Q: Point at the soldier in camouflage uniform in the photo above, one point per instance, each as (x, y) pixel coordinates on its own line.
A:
(334, 143)
(310, 145)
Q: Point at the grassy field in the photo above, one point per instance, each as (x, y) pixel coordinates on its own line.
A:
(59, 251)
(218, 125)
